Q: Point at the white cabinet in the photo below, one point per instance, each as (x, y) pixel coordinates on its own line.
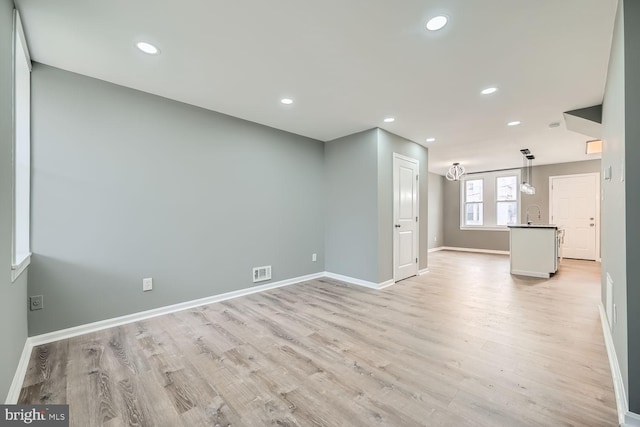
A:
(534, 250)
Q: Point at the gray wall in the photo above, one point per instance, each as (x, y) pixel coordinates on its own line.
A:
(13, 296)
(632, 199)
(388, 144)
(499, 240)
(435, 235)
(476, 239)
(128, 185)
(613, 192)
(540, 180)
(359, 211)
(351, 174)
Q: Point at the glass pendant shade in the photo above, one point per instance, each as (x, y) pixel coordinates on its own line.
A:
(527, 168)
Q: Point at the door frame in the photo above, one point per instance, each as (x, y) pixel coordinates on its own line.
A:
(396, 157)
(597, 200)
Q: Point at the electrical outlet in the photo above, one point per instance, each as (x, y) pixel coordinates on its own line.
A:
(147, 284)
(314, 257)
(435, 239)
(35, 303)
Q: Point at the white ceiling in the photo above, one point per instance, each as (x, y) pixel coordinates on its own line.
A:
(349, 64)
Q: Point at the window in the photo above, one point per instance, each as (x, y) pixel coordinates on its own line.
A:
(490, 200)
(21, 250)
(506, 200)
(473, 202)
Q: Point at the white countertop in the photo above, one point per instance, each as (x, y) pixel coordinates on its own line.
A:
(533, 226)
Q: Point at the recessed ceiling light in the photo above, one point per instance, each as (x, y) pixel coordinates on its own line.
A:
(431, 139)
(287, 101)
(489, 90)
(513, 123)
(437, 22)
(389, 120)
(148, 48)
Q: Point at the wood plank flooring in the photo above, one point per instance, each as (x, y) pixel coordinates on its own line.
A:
(465, 345)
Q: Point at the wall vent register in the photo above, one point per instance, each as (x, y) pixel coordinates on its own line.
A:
(261, 274)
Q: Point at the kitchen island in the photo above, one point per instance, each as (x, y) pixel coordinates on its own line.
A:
(533, 249)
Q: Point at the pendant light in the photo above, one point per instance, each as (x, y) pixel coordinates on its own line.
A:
(525, 171)
(532, 189)
(455, 172)
(527, 168)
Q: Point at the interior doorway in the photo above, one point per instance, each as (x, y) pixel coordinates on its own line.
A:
(405, 217)
(574, 206)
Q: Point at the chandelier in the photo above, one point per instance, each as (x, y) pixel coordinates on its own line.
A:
(455, 172)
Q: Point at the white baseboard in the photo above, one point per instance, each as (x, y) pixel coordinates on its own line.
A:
(386, 284)
(618, 385)
(359, 282)
(31, 342)
(439, 248)
(531, 274)
(481, 251)
(18, 377)
(632, 419)
(130, 318)
(135, 317)
(423, 271)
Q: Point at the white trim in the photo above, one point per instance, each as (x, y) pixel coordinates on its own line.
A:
(130, 318)
(618, 385)
(359, 282)
(483, 228)
(631, 419)
(597, 197)
(31, 342)
(18, 377)
(531, 273)
(439, 248)
(135, 317)
(408, 159)
(19, 265)
(23, 39)
(416, 245)
(16, 270)
(481, 251)
(386, 284)
(489, 204)
(423, 271)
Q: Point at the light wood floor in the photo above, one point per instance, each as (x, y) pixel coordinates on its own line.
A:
(464, 345)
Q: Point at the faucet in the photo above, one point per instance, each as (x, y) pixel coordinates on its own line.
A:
(529, 207)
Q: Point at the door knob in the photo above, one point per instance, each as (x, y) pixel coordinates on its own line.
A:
(397, 225)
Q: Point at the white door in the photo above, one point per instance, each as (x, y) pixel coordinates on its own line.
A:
(574, 208)
(405, 217)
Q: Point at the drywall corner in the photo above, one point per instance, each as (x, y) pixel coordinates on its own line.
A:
(13, 296)
(351, 211)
